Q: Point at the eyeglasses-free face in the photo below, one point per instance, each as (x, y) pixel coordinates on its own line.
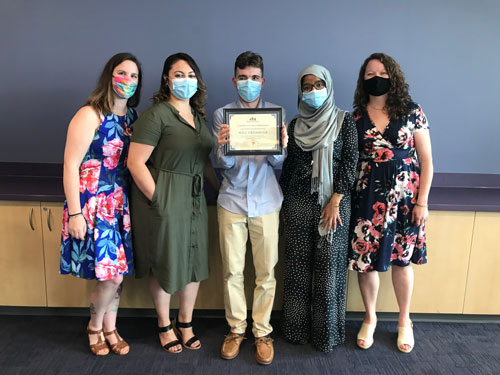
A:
(249, 73)
(127, 69)
(375, 68)
(180, 69)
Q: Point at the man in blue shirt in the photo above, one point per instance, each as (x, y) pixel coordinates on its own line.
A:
(249, 203)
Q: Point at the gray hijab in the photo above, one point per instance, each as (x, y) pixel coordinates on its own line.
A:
(316, 130)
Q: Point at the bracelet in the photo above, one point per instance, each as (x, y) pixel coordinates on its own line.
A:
(420, 205)
(73, 215)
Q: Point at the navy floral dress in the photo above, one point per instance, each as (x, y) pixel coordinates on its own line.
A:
(386, 191)
(106, 251)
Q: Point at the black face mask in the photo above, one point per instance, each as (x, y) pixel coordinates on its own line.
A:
(377, 86)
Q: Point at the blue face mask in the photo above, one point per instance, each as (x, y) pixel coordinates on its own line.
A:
(184, 88)
(249, 90)
(315, 98)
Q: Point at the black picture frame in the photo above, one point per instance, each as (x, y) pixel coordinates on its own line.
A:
(277, 112)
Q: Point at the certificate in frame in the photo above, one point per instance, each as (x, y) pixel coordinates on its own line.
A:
(254, 131)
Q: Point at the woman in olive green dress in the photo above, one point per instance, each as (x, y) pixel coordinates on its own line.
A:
(168, 153)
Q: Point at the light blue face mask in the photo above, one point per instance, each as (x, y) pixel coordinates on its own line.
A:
(249, 90)
(315, 98)
(184, 88)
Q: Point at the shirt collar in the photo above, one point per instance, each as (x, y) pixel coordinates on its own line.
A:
(240, 105)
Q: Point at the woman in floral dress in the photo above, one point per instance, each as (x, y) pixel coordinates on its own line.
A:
(96, 238)
(390, 200)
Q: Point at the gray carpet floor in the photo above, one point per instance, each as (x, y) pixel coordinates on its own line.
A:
(58, 345)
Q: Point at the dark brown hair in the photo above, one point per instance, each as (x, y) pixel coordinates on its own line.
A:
(198, 100)
(398, 98)
(249, 58)
(101, 99)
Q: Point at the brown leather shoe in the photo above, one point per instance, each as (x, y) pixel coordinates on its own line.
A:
(231, 345)
(264, 353)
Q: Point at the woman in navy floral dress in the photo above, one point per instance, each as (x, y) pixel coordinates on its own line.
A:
(390, 200)
(96, 239)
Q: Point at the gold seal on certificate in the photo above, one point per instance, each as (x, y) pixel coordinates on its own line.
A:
(253, 131)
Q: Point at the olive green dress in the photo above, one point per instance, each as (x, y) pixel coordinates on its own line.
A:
(170, 233)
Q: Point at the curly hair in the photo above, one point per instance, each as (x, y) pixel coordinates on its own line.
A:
(198, 100)
(101, 99)
(398, 104)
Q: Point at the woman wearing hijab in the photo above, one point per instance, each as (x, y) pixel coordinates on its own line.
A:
(317, 177)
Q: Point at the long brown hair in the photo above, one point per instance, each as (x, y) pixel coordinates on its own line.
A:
(101, 99)
(398, 98)
(198, 100)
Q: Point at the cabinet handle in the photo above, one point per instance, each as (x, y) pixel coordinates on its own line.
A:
(48, 221)
(31, 220)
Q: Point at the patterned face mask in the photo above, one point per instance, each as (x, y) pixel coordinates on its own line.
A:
(124, 87)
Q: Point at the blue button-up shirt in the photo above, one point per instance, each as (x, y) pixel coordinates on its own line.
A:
(249, 186)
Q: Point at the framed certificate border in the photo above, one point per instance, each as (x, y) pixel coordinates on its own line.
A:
(277, 114)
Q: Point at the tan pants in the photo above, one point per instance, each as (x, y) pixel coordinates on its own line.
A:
(233, 236)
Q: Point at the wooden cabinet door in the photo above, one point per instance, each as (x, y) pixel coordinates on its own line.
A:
(62, 290)
(482, 295)
(22, 275)
(439, 284)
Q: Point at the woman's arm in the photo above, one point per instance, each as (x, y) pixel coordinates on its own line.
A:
(138, 155)
(345, 173)
(289, 163)
(420, 212)
(81, 131)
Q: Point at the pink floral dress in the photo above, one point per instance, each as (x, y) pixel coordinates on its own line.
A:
(106, 251)
(386, 191)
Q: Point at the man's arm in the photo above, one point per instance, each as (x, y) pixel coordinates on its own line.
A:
(277, 160)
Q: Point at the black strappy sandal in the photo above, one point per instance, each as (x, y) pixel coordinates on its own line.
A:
(171, 343)
(189, 343)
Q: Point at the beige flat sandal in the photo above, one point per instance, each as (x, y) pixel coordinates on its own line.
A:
(405, 337)
(366, 334)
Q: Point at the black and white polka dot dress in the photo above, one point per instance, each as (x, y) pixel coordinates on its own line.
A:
(315, 269)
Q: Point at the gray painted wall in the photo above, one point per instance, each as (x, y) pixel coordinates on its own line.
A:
(53, 51)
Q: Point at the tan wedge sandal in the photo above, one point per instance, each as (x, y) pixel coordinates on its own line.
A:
(405, 337)
(366, 334)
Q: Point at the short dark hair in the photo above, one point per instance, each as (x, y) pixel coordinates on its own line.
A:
(249, 58)
(198, 100)
(101, 99)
